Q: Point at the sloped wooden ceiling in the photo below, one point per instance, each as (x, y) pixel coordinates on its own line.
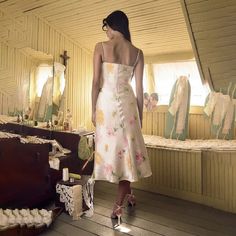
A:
(212, 28)
(157, 26)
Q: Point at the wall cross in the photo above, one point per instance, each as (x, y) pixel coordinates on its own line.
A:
(65, 57)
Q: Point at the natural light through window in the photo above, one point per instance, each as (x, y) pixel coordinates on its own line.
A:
(44, 72)
(166, 74)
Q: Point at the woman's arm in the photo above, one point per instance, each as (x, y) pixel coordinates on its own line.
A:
(139, 85)
(97, 61)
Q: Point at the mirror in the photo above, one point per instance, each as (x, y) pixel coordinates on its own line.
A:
(42, 95)
(39, 106)
(58, 98)
(47, 92)
(39, 97)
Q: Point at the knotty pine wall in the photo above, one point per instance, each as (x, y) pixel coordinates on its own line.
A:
(14, 71)
(176, 173)
(206, 177)
(23, 31)
(199, 125)
(211, 26)
(30, 31)
(4, 100)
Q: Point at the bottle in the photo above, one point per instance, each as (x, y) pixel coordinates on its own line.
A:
(68, 121)
(18, 119)
(66, 125)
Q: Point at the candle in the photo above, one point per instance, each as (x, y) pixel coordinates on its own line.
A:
(65, 174)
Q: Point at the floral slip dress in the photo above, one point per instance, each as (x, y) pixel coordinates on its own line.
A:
(120, 152)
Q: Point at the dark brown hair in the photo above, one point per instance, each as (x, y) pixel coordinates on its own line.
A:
(118, 21)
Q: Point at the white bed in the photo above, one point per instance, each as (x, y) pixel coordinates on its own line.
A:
(190, 145)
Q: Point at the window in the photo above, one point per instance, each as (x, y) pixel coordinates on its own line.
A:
(166, 74)
(43, 72)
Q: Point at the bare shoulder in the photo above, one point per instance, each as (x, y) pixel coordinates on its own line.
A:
(138, 50)
(140, 53)
(106, 43)
(98, 46)
(98, 49)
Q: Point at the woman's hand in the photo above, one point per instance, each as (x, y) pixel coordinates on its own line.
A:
(94, 118)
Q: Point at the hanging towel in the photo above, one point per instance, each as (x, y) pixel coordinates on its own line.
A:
(210, 104)
(177, 116)
(234, 102)
(229, 118)
(220, 109)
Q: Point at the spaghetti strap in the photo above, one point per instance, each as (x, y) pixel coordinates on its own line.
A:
(136, 61)
(102, 52)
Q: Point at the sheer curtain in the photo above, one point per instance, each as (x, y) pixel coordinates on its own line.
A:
(43, 72)
(166, 74)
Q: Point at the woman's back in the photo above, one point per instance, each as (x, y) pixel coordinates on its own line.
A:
(120, 52)
(121, 155)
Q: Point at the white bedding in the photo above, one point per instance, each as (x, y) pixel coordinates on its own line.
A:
(8, 135)
(6, 119)
(190, 145)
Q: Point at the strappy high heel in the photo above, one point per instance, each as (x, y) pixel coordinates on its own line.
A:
(117, 212)
(131, 199)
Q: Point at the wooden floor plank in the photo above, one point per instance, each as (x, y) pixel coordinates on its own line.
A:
(129, 228)
(190, 220)
(185, 212)
(51, 232)
(102, 225)
(154, 214)
(168, 219)
(156, 218)
(142, 223)
(97, 228)
(69, 229)
(201, 211)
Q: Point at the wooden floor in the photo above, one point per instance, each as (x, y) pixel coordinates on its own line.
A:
(154, 215)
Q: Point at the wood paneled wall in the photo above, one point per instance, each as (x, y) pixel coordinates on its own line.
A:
(14, 72)
(219, 174)
(30, 31)
(206, 177)
(23, 31)
(4, 100)
(77, 19)
(174, 173)
(199, 125)
(211, 26)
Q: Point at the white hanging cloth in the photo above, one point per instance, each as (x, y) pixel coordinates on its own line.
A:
(221, 107)
(180, 103)
(234, 102)
(210, 105)
(229, 118)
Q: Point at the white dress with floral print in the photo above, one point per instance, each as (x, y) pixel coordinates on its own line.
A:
(120, 149)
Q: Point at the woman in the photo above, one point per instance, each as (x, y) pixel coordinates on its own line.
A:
(153, 101)
(146, 101)
(121, 156)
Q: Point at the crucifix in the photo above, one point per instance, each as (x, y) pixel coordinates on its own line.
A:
(65, 57)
